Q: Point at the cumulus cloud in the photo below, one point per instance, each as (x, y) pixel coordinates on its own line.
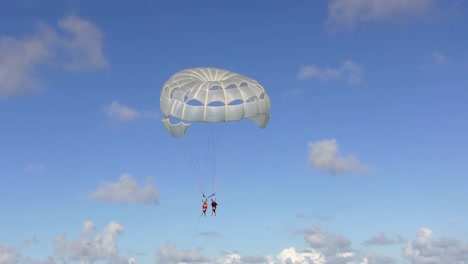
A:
(248, 259)
(291, 255)
(334, 248)
(347, 70)
(380, 239)
(325, 155)
(91, 247)
(324, 247)
(76, 45)
(8, 255)
(123, 113)
(126, 190)
(347, 13)
(318, 238)
(231, 258)
(170, 254)
(372, 258)
(424, 249)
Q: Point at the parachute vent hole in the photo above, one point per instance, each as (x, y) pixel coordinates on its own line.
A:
(216, 103)
(252, 99)
(236, 102)
(195, 102)
(231, 86)
(243, 84)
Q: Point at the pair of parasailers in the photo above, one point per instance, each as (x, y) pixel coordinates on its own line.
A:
(214, 204)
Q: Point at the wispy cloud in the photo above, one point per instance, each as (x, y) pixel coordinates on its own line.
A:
(35, 167)
(380, 239)
(348, 70)
(82, 45)
(325, 155)
(323, 217)
(347, 13)
(438, 62)
(75, 45)
(126, 190)
(439, 58)
(122, 113)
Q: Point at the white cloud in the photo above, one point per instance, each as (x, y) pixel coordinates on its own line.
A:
(372, 258)
(338, 249)
(290, 255)
(83, 46)
(324, 248)
(325, 155)
(170, 254)
(231, 258)
(380, 239)
(348, 70)
(126, 190)
(318, 238)
(347, 13)
(78, 47)
(89, 248)
(19, 59)
(424, 249)
(123, 113)
(8, 255)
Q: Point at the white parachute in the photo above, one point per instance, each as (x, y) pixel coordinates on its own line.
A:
(210, 96)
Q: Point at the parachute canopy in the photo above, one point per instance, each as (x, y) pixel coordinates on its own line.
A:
(211, 95)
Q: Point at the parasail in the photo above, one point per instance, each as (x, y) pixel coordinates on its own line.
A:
(209, 97)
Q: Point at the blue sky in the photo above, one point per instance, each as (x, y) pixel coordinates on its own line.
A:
(363, 160)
